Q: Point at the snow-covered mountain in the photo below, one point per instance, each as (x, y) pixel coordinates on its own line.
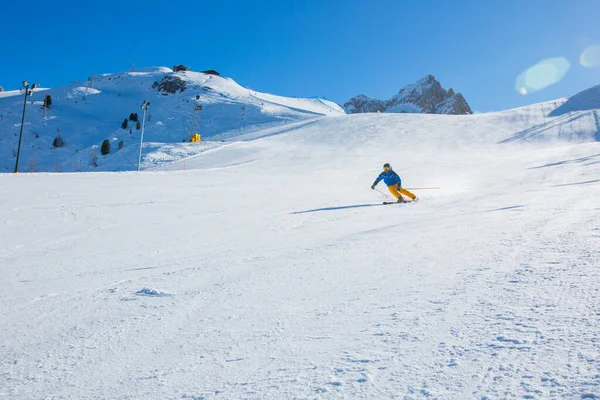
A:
(86, 113)
(425, 96)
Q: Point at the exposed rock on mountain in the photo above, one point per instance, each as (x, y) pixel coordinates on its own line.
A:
(172, 84)
(364, 104)
(425, 96)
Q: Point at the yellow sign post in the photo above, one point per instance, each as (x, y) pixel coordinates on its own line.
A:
(195, 138)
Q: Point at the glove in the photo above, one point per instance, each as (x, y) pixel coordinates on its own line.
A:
(373, 186)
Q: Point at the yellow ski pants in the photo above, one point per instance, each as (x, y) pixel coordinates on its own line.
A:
(397, 192)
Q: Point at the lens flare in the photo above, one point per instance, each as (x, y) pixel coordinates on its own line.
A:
(541, 75)
(590, 57)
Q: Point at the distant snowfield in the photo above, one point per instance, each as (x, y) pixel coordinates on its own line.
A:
(268, 268)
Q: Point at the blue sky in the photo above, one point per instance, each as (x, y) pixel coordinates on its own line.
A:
(329, 48)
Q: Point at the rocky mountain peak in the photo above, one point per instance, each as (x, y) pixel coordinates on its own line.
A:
(363, 104)
(425, 96)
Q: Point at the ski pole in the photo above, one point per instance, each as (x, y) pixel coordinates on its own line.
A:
(382, 192)
(424, 188)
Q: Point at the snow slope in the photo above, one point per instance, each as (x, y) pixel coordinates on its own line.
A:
(86, 113)
(269, 269)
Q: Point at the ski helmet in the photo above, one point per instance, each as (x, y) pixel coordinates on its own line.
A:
(387, 165)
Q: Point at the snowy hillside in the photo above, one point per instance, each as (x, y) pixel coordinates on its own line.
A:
(86, 113)
(270, 270)
(572, 120)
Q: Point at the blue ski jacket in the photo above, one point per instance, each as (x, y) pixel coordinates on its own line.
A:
(389, 177)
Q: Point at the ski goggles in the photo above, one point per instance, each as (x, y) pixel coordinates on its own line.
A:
(386, 168)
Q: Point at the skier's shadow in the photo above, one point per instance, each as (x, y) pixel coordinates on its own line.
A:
(336, 208)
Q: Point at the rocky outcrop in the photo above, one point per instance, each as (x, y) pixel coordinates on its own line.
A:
(171, 84)
(455, 105)
(425, 96)
(363, 104)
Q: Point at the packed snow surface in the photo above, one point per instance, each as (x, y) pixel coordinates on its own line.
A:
(268, 268)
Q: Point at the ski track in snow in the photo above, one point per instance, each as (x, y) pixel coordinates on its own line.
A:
(264, 278)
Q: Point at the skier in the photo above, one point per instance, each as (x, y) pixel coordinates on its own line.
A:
(394, 184)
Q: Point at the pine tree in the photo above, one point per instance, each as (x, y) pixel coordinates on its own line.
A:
(47, 101)
(105, 148)
(58, 141)
(124, 124)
